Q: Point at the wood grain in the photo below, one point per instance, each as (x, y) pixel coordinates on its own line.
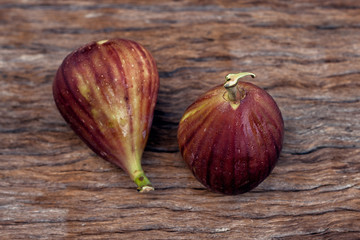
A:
(306, 54)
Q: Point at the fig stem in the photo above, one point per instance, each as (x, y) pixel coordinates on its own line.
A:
(232, 80)
(143, 183)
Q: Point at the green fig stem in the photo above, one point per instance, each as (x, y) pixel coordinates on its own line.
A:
(231, 83)
(143, 183)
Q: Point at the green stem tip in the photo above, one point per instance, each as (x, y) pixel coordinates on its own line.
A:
(143, 183)
(231, 82)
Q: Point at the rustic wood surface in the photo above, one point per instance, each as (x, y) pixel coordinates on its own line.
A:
(306, 54)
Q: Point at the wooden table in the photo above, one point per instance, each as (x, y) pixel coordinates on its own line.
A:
(306, 54)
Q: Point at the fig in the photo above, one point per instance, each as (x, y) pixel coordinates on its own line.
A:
(106, 91)
(231, 136)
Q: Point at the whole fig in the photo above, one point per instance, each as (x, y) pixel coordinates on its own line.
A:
(231, 136)
(107, 91)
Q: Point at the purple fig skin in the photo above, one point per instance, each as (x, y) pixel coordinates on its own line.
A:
(231, 148)
(106, 91)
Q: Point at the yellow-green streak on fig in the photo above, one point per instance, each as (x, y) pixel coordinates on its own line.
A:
(107, 91)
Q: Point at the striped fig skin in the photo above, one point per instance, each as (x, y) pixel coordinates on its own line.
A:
(106, 91)
(231, 150)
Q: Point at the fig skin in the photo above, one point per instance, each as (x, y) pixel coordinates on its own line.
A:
(231, 144)
(106, 91)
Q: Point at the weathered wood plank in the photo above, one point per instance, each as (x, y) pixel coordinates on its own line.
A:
(305, 54)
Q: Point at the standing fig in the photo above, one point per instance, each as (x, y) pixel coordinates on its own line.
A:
(106, 91)
(231, 136)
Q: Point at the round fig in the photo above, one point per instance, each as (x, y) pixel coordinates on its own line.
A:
(231, 136)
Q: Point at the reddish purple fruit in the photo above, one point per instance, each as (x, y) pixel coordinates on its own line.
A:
(107, 92)
(231, 136)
